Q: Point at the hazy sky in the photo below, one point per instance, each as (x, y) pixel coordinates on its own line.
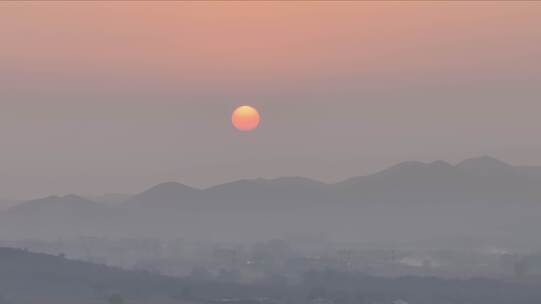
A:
(115, 97)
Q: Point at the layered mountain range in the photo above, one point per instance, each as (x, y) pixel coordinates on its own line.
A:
(414, 187)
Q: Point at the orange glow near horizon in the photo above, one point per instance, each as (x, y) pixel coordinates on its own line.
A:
(245, 118)
(269, 44)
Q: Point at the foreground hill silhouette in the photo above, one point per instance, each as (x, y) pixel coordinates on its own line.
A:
(27, 277)
(24, 274)
(414, 198)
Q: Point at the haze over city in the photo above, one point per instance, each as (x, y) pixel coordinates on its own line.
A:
(270, 152)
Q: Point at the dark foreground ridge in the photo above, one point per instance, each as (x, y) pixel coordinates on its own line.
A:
(27, 277)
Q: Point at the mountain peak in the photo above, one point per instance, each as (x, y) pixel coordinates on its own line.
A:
(165, 193)
(406, 165)
(440, 164)
(412, 167)
(483, 162)
(171, 186)
(166, 190)
(73, 197)
(294, 180)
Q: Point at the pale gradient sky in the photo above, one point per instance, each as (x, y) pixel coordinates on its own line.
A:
(115, 97)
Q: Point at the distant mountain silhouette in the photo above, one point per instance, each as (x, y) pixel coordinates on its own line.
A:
(165, 195)
(477, 179)
(245, 206)
(263, 193)
(64, 205)
(483, 163)
(241, 193)
(110, 198)
(53, 215)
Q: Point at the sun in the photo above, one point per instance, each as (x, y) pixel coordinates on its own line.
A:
(245, 118)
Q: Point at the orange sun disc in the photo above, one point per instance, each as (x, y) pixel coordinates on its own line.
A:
(245, 118)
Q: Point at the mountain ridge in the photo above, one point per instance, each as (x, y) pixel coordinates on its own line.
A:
(409, 192)
(170, 194)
